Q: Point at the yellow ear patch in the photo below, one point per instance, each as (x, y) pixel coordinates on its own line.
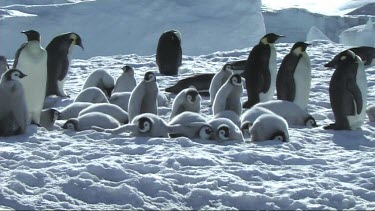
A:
(264, 40)
(343, 58)
(74, 38)
(298, 51)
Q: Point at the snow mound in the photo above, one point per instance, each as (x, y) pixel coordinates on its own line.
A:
(315, 34)
(134, 26)
(363, 35)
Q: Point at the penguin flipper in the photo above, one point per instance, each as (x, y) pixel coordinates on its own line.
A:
(64, 69)
(16, 57)
(356, 93)
(285, 83)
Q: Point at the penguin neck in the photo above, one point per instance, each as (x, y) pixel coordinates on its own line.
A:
(34, 46)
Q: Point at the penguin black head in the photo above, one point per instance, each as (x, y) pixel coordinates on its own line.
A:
(32, 35)
(128, 69)
(223, 132)
(149, 77)
(54, 114)
(228, 67)
(278, 136)
(13, 75)
(236, 80)
(205, 132)
(71, 124)
(76, 39)
(173, 35)
(191, 95)
(310, 122)
(144, 124)
(341, 58)
(245, 128)
(299, 47)
(270, 38)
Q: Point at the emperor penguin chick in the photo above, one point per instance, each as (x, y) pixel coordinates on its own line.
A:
(126, 82)
(89, 120)
(187, 100)
(13, 109)
(191, 125)
(218, 80)
(101, 79)
(91, 95)
(144, 97)
(229, 96)
(269, 127)
(225, 130)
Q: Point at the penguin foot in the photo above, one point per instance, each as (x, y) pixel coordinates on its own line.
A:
(37, 124)
(334, 126)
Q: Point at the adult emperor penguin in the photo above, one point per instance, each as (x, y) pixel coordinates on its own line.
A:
(187, 100)
(293, 80)
(13, 109)
(191, 125)
(169, 53)
(90, 120)
(269, 127)
(3, 65)
(366, 53)
(229, 96)
(201, 82)
(101, 79)
(144, 97)
(143, 125)
(260, 71)
(218, 80)
(59, 51)
(348, 92)
(31, 59)
(126, 82)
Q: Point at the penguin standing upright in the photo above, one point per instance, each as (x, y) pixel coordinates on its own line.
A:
(126, 82)
(31, 59)
(260, 71)
(59, 50)
(13, 109)
(348, 92)
(293, 80)
(187, 100)
(144, 97)
(229, 96)
(169, 53)
(218, 80)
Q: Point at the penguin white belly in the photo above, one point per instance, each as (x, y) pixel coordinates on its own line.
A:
(356, 121)
(35, 83)
(302, 80)
(263, 97)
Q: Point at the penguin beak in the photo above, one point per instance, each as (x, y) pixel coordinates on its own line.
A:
(23, 75)
(280, 36)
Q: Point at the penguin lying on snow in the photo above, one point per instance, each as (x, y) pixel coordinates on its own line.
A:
(89, 120)
(91, 95)
(101, 79)
(191, 125)
(59, 50)
(348, 92)
(72, 110)
(269, 127)
(200, 82)
(13, 109)
(109, 109)
(143, 125)
(225, 129)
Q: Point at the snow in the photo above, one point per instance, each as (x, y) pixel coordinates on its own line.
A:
(362, 35)
(317, 169)
(61, 169)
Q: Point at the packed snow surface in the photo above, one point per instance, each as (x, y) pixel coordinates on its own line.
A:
(317, 169)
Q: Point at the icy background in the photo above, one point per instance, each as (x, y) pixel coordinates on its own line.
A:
(62, 169)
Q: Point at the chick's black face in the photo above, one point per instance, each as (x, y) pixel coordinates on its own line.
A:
(14, 74)
(144, 124)
(236, 80)
(191, 95)
(150, 76)
(278, 136)
(223, 132)
(32, 35)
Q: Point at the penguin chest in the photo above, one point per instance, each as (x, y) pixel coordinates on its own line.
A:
(302, 80)
(272, 69)
(356, 120)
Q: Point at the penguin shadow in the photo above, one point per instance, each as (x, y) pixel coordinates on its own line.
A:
(350, 139)
(31, 130)
(216, 142)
